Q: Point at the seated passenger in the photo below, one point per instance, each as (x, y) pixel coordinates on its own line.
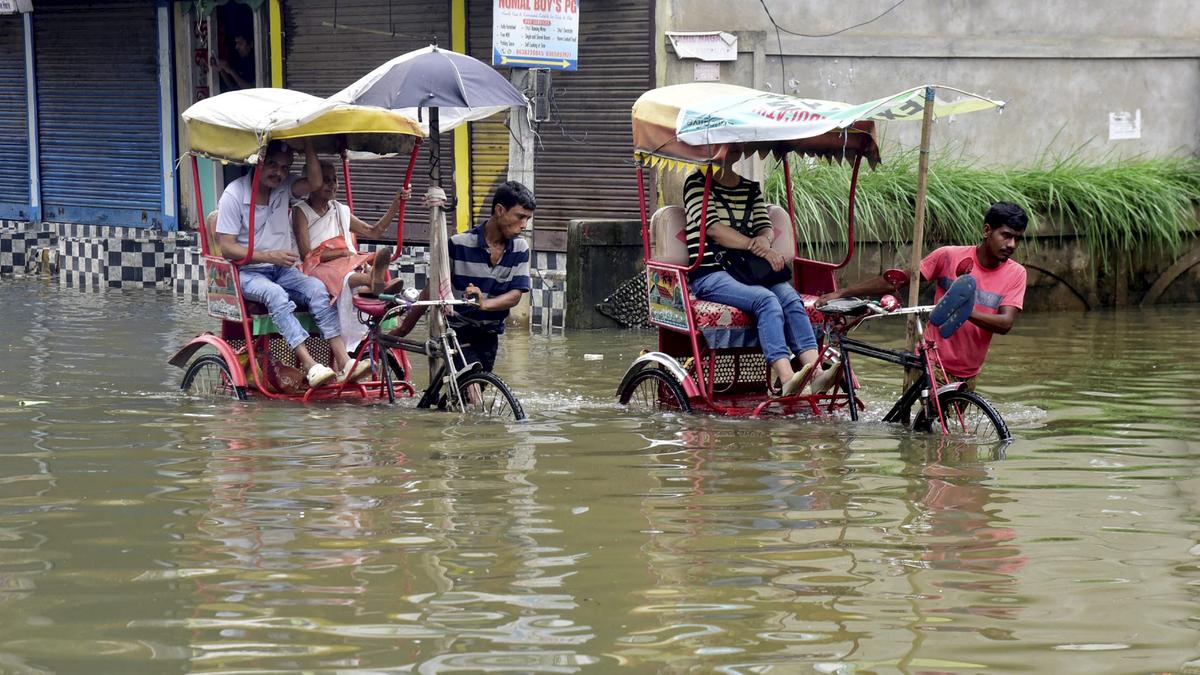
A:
(738, 220)
(325, 230)
(271, 276)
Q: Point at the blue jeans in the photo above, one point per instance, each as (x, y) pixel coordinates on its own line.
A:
(281, 289)
(778, 312)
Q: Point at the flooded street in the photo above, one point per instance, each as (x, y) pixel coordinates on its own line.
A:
(141, 531)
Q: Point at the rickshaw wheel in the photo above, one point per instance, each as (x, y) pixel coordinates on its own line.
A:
(209, 377)
(485, 395)
(654, 390)
(969, 416)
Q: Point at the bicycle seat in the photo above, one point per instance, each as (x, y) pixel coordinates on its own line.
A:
(372, 307)
(846, 306)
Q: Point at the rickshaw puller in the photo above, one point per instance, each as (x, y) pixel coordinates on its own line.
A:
(999, 295)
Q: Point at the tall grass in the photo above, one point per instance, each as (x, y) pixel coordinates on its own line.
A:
(1132, 205)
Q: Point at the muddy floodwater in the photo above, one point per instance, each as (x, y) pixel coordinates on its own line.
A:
(145, 532)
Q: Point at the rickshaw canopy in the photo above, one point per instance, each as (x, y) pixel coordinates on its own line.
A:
(235, 125)
(702, 123)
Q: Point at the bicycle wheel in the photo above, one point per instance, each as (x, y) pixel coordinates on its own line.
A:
(653, 390)
(209, 377)
(484, 394)
(969, 416)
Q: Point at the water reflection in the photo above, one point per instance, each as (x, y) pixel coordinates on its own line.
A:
(142, 531)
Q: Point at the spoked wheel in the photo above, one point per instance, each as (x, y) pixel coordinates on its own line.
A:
(969, 416)
(209, 377)
(484, 395)
(653, 390)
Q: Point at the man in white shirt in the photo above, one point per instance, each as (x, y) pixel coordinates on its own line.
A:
(271, 276)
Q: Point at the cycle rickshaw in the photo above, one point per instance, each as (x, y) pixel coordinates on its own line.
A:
(708, 358)
(248, 355)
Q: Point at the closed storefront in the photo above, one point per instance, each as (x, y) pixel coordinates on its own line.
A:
(583, 166)
(330, 43)
(489, 138)
(14, 129)
(101, 152)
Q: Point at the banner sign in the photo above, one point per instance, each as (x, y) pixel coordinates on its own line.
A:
(775, 117)
(535, 34)
(665, 297)
(222, 289)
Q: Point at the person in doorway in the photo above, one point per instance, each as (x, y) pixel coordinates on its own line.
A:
(490, 263)
(737, 220)
(999, 291)
(271, 276)
(238, 72)
(325, 236)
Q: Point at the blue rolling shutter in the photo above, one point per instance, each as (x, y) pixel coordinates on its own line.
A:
(99, 130)
(14, 127)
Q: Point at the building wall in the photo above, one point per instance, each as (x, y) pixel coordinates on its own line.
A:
(1061, 66)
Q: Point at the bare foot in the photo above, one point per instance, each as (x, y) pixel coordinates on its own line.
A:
(379, 269)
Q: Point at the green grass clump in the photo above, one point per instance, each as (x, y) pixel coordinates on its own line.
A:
(1138, 204)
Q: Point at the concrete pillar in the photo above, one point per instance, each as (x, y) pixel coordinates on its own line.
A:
(601, 254)
(521, 169)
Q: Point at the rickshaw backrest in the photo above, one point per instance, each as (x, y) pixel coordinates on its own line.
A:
(668, 229)
(209, 232)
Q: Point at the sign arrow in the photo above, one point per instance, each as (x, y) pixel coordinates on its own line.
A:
(562, 63)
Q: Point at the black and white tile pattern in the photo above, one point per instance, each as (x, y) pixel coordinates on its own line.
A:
(547, 302)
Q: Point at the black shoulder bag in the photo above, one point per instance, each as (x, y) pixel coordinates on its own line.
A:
(744, 266)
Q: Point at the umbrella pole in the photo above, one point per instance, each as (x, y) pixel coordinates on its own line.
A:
(914, 285)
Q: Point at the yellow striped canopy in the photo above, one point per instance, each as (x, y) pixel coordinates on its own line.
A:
(235, 125)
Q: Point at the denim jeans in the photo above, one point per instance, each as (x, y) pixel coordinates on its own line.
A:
(778, 312)
(281, 289)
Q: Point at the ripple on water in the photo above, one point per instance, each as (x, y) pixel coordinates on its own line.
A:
(140, 529)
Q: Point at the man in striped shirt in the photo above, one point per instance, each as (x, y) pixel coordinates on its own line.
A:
(491, 263)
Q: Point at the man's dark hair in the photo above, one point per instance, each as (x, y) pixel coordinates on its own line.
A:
(510, 194)
(1006, 213)
(278, 146)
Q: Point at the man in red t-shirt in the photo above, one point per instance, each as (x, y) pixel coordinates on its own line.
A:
(999, 290)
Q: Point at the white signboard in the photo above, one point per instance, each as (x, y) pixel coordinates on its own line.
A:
(706, 46)
(14, 6)
(706, 71)
(1124, 125)
(535, 34)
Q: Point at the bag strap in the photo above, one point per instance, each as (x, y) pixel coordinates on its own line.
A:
(749, 211)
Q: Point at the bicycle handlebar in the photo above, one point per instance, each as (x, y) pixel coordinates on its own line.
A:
(396, 299)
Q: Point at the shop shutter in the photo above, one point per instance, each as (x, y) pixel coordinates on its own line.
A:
(14, 134)
(584, 160)
(490, 137)
(99, 135)
(330, 43)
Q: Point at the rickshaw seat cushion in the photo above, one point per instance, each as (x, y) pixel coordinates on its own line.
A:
(373, 307)
(261, 323)
(726, 327)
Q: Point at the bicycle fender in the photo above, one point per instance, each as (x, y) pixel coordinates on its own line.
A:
(667, 363)
(947, 388)
(183, 356)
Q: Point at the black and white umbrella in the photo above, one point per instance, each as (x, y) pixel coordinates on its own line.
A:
(454, 87)
(442, 89)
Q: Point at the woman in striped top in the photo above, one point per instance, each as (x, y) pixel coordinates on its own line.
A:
(737, 220)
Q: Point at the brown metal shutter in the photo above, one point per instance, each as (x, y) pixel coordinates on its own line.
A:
(490, 137)
(584, 161)
(330, 43)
